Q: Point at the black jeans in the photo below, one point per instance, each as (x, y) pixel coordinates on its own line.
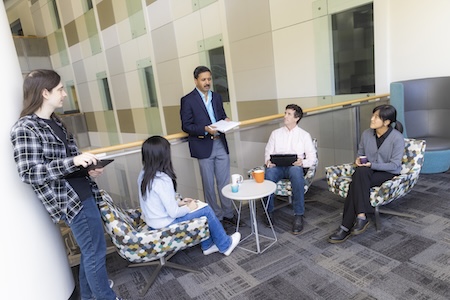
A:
(358, 197)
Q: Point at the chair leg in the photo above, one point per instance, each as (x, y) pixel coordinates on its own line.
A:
(180, 267)
(162, 262)
(395, 213)
(377, 219)
(286, 202)
(289, 202)
(151, 280)
(386, 211)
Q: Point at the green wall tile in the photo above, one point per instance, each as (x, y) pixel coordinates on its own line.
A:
(213, 42)
(64, 57)
(134, 6)
(91, 26)
(137, 23)
(96, 47)
(204, 3)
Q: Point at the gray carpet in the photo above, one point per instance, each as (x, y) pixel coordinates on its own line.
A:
(408, 259)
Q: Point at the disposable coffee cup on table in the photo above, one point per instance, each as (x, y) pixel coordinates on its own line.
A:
(363, 159)
(235, 188)
(258, 175)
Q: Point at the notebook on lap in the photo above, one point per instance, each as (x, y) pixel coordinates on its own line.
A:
(283, 160)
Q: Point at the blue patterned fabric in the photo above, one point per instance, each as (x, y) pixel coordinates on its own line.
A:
(339, 177)
(137, 243)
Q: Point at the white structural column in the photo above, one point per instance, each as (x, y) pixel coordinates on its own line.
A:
(33, 263)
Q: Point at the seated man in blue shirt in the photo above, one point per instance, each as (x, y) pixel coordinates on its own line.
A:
(291, 139)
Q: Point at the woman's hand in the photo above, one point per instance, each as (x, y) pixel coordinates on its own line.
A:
(359, 164)
(95, 172)
(192, 205)
(85, 159)
(185, 201)
(269, 164)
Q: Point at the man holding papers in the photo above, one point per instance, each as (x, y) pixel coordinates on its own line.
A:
(199, 110)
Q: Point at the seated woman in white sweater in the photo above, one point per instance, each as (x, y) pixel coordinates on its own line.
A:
(157, 185)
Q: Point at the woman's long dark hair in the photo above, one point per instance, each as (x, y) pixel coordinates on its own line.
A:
(34, 84)
(388, 112)
(156, 158)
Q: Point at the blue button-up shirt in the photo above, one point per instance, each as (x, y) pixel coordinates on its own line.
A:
(208, 105)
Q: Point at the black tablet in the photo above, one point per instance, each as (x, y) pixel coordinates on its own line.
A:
(101, 163)
(283, 160)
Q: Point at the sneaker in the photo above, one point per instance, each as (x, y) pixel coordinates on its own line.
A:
(235, 238)
(111, 283)
(211, 250)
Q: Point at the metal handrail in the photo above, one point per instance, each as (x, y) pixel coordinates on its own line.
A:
(307, 111)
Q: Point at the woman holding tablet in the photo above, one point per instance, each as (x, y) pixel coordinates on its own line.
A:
(48, 159)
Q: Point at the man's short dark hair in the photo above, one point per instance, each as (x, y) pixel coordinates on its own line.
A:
(199, 70)
(298, 112)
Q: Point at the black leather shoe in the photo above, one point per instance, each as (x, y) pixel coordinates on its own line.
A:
(233, 221)
(297, 225)
(360, 226)
(340, 236)
(272, 218)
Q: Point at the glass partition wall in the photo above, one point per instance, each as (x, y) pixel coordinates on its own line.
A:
(337, 132)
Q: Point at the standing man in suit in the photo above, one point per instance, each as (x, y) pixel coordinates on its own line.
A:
(199, 109)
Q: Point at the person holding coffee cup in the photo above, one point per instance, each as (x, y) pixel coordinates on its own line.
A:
(363, 160)
(290, 139)
(379, 159)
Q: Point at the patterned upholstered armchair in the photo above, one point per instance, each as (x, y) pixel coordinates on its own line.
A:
(141, 245)
(284, 186)
(339, 179)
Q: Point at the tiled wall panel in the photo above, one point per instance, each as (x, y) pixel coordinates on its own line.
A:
(277, 52)
(188, 31)
(290, 12)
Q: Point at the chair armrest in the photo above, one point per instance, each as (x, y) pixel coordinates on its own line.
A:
(194, 225)
(333, 172)
(341, 170)
(393, 189)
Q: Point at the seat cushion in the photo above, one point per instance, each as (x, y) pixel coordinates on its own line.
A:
(436, 143)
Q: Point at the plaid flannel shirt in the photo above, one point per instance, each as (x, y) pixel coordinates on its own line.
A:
(42, 162)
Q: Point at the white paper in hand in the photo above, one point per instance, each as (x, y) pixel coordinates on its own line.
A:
(224, 126)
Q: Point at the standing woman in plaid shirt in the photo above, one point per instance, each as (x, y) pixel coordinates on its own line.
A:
(48, 159)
